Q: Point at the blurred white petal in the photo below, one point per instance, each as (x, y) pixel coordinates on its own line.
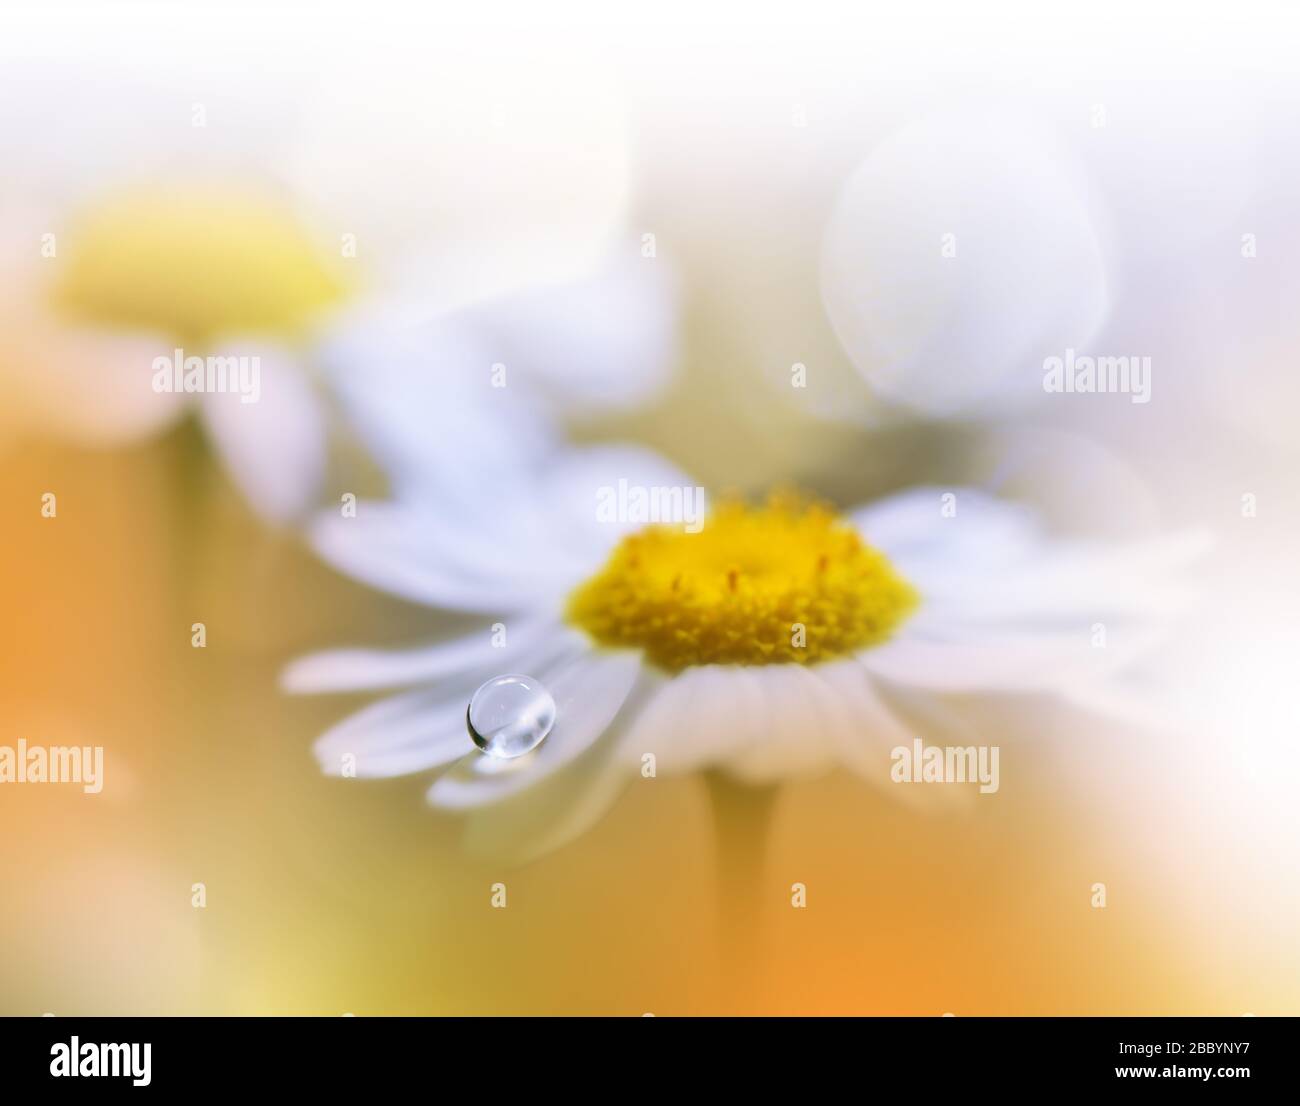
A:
(608, 341)
(876, 726)
(992, 562)
(698, 717)
(274, 448)
(878, 729)
(913, 523)
(576, 482)
(367, 669)
(405, 733)
(422, 397)
(984, 665)
(790, 740)
(413, 554)
(92, 385)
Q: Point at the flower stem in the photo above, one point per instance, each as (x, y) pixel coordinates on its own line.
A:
(742, 815)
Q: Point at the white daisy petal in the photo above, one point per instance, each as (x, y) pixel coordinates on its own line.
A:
(588, 694)
(274, 446)
(86, 384)
(590, 495)
(422, 396)
(401, 734)
(790, 742)
(939, 718)
(365, 669)
(700, 716)
(607, 341)
(1016, 664)
(837, 726)
(911, 526)
(934, 720)
(991, 563)
(876, 729)
(881, 725)
(1064, 587)
(402, 549)
(1137, 578)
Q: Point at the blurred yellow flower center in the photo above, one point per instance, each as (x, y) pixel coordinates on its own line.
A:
(193, 265)
(786, 583)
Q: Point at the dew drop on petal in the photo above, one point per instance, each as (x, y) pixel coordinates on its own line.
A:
(510, 716)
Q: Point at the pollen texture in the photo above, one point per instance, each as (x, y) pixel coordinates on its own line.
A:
(787, 583)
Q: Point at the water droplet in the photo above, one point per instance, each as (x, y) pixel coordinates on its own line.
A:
(510, 716)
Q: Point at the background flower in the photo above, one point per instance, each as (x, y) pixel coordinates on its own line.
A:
(177, 208)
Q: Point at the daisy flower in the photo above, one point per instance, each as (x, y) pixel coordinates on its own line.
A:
(152, 205)
(774, 641)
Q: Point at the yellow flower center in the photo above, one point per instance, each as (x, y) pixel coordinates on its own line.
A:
(790, 582)
(193, 264)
